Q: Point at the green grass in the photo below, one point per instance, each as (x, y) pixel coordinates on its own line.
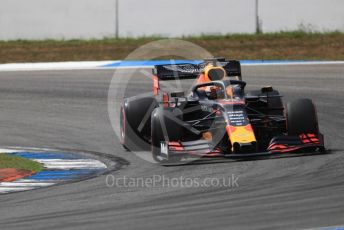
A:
(284, 45)
(10, 161)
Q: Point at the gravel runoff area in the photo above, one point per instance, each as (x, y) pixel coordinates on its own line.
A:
(284, 46)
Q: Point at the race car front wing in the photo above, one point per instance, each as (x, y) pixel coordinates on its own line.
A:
(284, 144)
(279, 144)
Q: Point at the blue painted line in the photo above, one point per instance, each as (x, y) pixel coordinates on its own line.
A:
(333, 228)
(64, 174)
(275, 61)
(57, 174)
(148, 63)
(48, 155)
(165, 62)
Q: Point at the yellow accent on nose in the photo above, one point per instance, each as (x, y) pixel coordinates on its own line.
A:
(240, 134)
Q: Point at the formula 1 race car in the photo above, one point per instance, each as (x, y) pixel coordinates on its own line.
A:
(217, 117)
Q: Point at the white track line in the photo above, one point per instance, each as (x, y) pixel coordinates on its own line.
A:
(54, 65)
(23, 183)
(71, 164)
(9, 151)
(14, 189)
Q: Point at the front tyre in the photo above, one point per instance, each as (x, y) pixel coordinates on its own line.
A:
(124, 129)
(135, 122)
(301, 117)
(164, 128)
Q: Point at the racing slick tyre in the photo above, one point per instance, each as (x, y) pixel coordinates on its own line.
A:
(301, 117)
(135, 118)
(274, 102)
(163, 128)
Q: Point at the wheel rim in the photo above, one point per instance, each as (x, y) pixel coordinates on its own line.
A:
(122, 125)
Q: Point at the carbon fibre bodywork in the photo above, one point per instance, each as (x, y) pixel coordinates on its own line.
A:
(227, 121)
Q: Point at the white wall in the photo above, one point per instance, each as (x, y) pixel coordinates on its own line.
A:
(69, 19)
(311, 15)
(58, 19)
(186, 17)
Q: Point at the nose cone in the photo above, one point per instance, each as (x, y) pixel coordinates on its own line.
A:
(241, 137)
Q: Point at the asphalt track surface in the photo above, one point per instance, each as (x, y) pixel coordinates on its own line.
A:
(68, 109)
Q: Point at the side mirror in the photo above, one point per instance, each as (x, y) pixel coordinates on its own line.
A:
(267, 89)
(177, 94)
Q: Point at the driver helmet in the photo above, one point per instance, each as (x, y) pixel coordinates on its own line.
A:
(214, 73)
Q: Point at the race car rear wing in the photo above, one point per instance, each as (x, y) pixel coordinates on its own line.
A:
(191, 71)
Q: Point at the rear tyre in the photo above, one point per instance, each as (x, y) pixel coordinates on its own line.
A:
(301, 117)
(163, 128)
